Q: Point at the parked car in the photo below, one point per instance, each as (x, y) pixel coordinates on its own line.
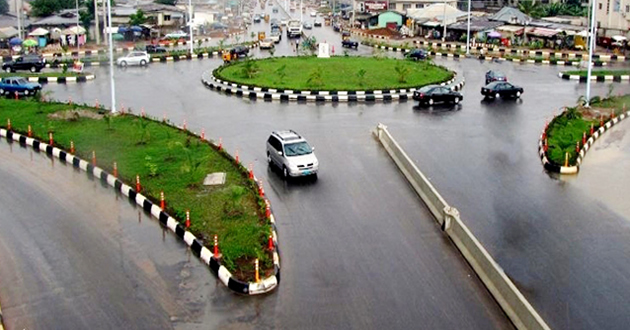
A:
(33, 63)
(11, 85)
(134, 58)
(155, 49)
(176, 35)
(350, 43)
(291, 153)
(495, 76)
(436, 94)
(418, 54)
(501, 89)
(317, 23)
(240, 51)
(266, 43)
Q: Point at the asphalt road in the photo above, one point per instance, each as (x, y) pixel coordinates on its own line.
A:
(360, 251)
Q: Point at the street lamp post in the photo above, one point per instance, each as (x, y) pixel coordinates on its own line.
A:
(468, 32)
(111, 56)
(190, 25)
(77, 32)
(590, 56)
(444, 22)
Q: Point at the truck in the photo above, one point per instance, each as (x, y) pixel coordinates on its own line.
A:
(294, 28)
(11, 85)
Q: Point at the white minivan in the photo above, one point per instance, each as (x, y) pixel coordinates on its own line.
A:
(292, 154)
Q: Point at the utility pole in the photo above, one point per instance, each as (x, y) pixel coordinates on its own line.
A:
(354, 4)
(444, 22)
(77, 34)
(98, 30)
(190, 25)
(105, 6)
(468, 31)
(590, 56)
(111, 56)
(18, 11)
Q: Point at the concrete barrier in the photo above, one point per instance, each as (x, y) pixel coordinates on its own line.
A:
(513, 303)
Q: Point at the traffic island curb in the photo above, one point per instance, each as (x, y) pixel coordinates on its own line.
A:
(605, 78)
(485, 57)
(62, 80)
(286, 95)
(195, 245)
(557, 168)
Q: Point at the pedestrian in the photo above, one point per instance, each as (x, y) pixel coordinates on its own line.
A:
(297, 45)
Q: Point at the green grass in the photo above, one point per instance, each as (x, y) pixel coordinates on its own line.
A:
(583, 73)
(567, 129)
(41, 74)
(336, 73)
(168, 160)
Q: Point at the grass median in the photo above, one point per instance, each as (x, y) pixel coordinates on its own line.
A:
(166, 159)
(598, 73)
(567, 129)
(333, 74)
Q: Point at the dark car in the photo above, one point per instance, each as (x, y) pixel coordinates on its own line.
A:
(241, 51)
(437, 94)
(336, 27)
(350, 43)
(418, 54)
(33, 63)
(317, 23)
(155, 49)
(501, 89)
(495, 76)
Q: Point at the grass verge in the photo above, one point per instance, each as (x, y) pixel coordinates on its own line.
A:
(584, 73)
(567, 129)
(166, 159)
(335, 73)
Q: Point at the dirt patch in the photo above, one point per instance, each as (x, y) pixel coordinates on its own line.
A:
(385, 32)
(594, 113)
(75, 114)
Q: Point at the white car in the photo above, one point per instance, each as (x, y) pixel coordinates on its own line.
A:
(275, 36)
(134, 58)
(176, 35)
(313, 14)
(284, 22)
(266, 44)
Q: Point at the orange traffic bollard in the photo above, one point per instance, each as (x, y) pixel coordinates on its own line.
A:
(138, 187)
(187, 219)
(72, 147)
(236, 158)
(270, 242)
(51, 141)
(261, 191)
(164, 117)
(93, 157)
(162, 202)
(30, 131)
(546, 146)
(184, 125)
(203, 134)
(577, 147)
(267, 210)
(17, 96)
(220, 144)
(584, 138)
(142, 113)
(216, 247)
(8, 124)
(566, 159)
(70, 100)
(257, 270)
(251, 171)
(96, 105)
(591, 131)
(115, 170)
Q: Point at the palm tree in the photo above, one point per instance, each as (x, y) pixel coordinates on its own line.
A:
(528, 7)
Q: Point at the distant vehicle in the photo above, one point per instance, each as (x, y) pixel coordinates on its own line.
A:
(350, 43)
(257, 18)
(430, 95)
(418, 54)
(292, 154)
(11, 85)
(502, 89)
(317, 23)
(336, 27)
(275, 36)
(284, 22)
(176, 35)
(307, 26)
(155, 49)
(33, 63)
(495, 76)
(240, 51)
(274, 10)
(266, 43)
(134, 58)
(294, 28)
(218, 26)
(313, 14)
(274, 22)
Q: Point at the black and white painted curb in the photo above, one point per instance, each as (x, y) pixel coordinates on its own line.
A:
(1, 320)
(492, 48)
(195, 245)
(62, 80)
(553, 167)
(486, 57)
(613, 78)
(269, 94)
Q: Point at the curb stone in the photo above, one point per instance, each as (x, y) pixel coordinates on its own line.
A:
(195, 245)
(613, 78)
(62, 80)
(270, 94)
(486, 57)
(553, 167)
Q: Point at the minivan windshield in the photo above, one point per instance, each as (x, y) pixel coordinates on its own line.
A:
(297, 149)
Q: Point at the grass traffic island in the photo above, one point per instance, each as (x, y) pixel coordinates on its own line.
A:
(166, 159)
(569, 128)
(337, 73)
(598, 73)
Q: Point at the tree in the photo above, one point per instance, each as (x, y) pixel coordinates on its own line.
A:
(137, 18)
(4, 7)
(41, 8)
(528, 7)
(402, 71)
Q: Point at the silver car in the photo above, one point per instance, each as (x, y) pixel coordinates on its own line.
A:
(291, 153)
(134, 58)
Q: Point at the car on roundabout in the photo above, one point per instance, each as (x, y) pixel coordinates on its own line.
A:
(348, 43)
(134, 58)
(267, 43)
(430, 95)
(307, 26)
(317, 23)
(502, 89)
(417, 54)
(291, 153)
(495, 76)
(33, 63)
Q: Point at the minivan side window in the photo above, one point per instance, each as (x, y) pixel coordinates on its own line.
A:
(274, 142)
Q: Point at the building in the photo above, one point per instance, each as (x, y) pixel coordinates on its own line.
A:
(387, 19)
(613, 17)
(404, 5)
